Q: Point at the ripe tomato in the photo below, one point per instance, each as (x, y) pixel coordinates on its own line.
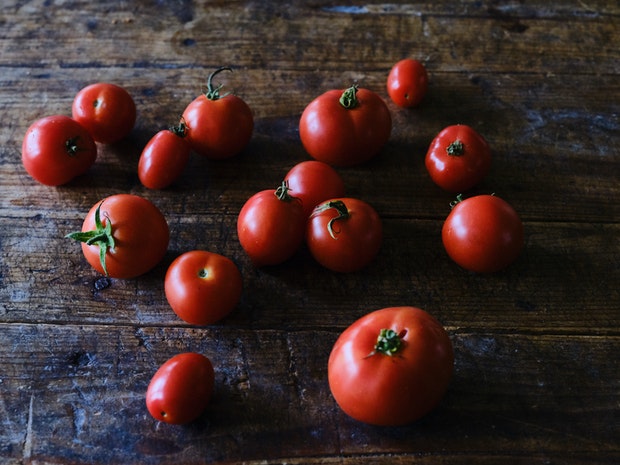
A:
(344, 235)
(106, 110)
(407, 83)
(123, 236)
(164, 158)
(483, 234)
(391, 367)
(56, 149)
(345, 128)
(458, 158)
(271, 226)
(181, 388)
(313, 182)
(218, 126)
(202, 287)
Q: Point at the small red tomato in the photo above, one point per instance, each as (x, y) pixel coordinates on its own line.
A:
(483, 234)
(164, 158)
(344, 235)
(345, 128)
(218, 126)
(181, 388)
(407, 83)
(391, 367)
(458, 158)
(202, 287)
(271, 226)
(106, 110)
(56, 149)
(314, 182)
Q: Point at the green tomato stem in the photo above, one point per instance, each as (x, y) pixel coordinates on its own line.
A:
(213, 93)
(389, 343)
(340, 207)
(456, 148)
(348, 99)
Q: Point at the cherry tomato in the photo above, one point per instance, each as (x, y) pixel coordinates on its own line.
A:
(56, 149)
(181, 388)
(483, 234)
(271, 226)
(391, 367)
(202, 287)
(407, 83)
(164, 158)
(345, 128)
(313, 182)
(106, 110)
(123, 236)
(458, 158)
(344, 235)
(218, 126)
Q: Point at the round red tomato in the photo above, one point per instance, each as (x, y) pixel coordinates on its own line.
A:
(271, 226)
(313, 182)
(106, 110)
(202, 287)
(345, 128)
(164, 158)
(218, 126)
(458, 158)
(123, 236)
(407, 83)
(56, 149)
(181, 388)
(344, 235)
(483, 234)
(391, 367)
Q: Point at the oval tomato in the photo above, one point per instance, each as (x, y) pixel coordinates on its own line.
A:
(202, 287)
(218, 126)
(164, 158)
(123, 236)
(483, 234)
(391, 367)
(271, 226)
(344, 235)
(407, 83)
(345, 128)
(56, 149)
(106, 110)
(313, 182)
(458, 158)
(181, 388)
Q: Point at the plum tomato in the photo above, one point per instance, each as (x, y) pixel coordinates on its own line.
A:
(407, 83)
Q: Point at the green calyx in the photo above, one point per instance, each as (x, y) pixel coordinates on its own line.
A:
(341, 209)
(180, 129)
(456, 148)
(213, 93)
(348, 99)
(282, 192)
(388, 343)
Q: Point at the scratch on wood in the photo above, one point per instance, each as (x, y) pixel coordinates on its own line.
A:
(28, 440)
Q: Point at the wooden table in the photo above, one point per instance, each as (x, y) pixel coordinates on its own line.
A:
(536, 376)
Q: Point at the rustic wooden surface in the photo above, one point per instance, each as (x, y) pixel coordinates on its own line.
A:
(536, 376)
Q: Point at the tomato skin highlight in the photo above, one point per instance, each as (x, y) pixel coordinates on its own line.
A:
(202, 287)
(181, 388)
(483, 234)
(163, 159)
(395, 390)
(407, 83)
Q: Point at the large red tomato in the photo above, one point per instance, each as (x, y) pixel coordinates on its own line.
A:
(407, 83)
(123, 236)
(483, 234)
(391, 367)
(56, 149)
(345, 128)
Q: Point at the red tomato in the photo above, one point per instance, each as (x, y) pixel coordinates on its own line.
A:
(164, 158)
(344, 235)
(106, 110)
(458, 158)
(218, 126)
(56, 149)
(181, 388)
(313, 182)
(202, 287)
(345, 128)
(391, 367)
(407, 83)
(123, 236)
(271, 226)
(483, 234)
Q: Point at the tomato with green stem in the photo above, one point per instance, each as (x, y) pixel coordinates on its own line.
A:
(407, 83)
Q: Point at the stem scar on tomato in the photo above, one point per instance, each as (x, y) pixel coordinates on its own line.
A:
(348, 99)
(341, 208)
(213, 93)
(389, 342)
